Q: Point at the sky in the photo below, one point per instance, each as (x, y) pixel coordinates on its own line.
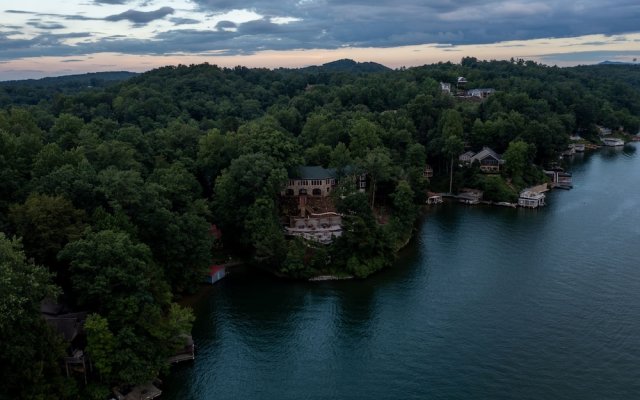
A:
(60, 37)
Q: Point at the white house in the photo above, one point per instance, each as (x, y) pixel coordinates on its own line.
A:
(531, 199)
(481, 93)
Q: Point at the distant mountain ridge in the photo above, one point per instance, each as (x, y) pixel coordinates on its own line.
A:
(348, 65)
(32, 91)
(78, 79)
(607, 62)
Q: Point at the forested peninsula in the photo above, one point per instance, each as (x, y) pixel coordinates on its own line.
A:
(118, 191)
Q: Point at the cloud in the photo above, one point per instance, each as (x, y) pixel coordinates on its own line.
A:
(222, 25)
(184, 21)
(141, 17)
(316, 24)
(110, 1)
(406, 22)
(46, 25)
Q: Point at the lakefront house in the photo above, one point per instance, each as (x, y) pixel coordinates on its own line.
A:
(310, 210)
(488, 160)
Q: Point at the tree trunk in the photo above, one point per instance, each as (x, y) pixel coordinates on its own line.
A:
(373, 192)
(451, 176)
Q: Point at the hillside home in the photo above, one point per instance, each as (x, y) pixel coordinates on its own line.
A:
(488, 159)
(311, 181)
(317, 181)
(445, 87)
(481, 93)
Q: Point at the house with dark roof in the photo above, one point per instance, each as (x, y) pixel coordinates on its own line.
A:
(488, 159)
(313, 217)
(311, 181)
(317, 181)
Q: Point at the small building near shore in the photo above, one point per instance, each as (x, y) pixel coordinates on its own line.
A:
(470, 196)
(216, 272)
(531, 199)
(560, 178)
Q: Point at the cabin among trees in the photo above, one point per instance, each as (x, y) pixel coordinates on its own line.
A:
(488, 160)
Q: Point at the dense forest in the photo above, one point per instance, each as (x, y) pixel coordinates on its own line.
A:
(111, 189)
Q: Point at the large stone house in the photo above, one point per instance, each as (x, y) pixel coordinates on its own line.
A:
(317, 181)
(313, 215)
(311, 181)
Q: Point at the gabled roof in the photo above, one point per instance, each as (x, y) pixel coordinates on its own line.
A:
(466, 155)
(314, 172)
(484, 153)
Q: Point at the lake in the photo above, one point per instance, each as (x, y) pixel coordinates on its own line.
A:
(485, 303)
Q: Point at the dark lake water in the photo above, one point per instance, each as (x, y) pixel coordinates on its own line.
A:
(486, 303)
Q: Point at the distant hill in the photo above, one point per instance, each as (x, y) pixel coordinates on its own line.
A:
(32, 91)
(88, 79)
(347, 65)
(607, 62)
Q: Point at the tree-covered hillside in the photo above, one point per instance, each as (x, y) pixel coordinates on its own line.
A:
(111, 196)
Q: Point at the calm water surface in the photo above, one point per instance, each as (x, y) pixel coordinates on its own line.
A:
(486, 303)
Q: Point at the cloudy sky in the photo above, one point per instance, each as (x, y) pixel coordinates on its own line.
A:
(46, 37)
